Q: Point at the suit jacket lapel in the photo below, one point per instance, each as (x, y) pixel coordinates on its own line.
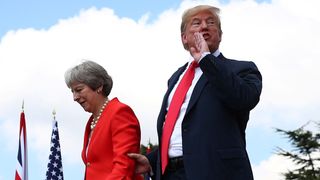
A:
(198, 88)
(86, 140)
(171, 83)
(194, 97)
(196, 92)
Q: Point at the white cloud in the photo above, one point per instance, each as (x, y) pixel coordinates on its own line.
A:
(275, 166)
(282, 38)
(272, 168)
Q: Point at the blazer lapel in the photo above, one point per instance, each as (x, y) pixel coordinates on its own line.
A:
(86, 140)
(171, 83)
(196, 92)
(199, 87)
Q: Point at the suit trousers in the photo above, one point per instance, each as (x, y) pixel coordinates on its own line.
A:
(178, 174)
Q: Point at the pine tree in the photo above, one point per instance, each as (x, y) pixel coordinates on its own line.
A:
(305, 153)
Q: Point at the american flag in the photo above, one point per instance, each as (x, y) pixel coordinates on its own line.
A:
(54, 171)
(22, 165)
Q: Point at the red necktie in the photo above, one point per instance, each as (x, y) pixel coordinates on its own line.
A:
(173, 112)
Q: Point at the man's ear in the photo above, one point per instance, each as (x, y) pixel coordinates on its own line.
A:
(220, 33)
(184, 41)
(183, 38)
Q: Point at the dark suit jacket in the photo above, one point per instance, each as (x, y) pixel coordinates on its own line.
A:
(213, 129)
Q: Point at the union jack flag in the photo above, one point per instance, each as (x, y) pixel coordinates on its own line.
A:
(22, 164)
(54, 171)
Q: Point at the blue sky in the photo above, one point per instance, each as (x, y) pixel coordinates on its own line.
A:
(16, 14)
(38, 14)
(40, 40)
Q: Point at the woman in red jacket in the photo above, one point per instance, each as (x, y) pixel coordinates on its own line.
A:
(112, 131)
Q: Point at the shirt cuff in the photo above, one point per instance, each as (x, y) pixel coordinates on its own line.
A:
(151, 172)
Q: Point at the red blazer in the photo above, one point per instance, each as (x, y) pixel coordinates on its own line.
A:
(116, 134)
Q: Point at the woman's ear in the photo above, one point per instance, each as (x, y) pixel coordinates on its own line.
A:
(99, 90)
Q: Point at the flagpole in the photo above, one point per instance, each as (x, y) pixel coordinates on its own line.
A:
(22, 106)
(54, 114)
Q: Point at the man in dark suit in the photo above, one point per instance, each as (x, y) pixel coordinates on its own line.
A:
(208, 137)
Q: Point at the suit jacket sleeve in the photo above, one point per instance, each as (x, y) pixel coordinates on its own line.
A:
(238, 83)
(125, 139)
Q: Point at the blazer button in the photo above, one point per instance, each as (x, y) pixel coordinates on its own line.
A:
(88, 164)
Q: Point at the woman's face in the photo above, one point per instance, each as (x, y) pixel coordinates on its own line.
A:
(85, 96)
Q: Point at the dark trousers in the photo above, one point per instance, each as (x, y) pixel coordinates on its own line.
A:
(179, 174)
(175, 170)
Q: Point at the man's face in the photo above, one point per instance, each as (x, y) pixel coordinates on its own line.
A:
(205, 23)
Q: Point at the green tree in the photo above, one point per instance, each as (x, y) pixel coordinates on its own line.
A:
(305, 153)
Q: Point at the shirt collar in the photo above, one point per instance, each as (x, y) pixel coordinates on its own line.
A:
(216, 53)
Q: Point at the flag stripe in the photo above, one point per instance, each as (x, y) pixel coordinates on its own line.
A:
(22, 160)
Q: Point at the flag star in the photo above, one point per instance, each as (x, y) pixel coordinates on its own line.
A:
(55, 165)
(53, 136)
(53, 173)
(57, 156)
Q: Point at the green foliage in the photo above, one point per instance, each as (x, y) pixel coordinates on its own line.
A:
(305, 153)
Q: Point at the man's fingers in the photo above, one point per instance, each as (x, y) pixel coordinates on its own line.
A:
(133, 155)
